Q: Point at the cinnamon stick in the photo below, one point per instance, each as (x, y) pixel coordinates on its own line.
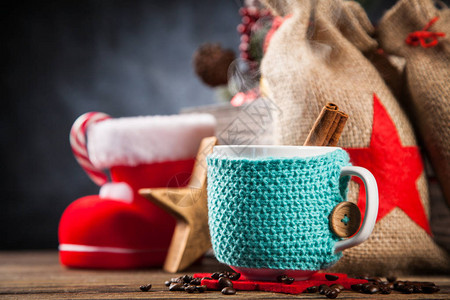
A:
(338, 131)
(322, 126)
(328, 127)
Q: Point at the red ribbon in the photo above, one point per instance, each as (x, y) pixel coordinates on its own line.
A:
(425, 38)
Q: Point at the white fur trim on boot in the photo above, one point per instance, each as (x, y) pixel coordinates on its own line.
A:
(147, 139)
(119, 191)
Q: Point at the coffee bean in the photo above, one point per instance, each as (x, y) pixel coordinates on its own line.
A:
(331, 293)
(398, 285)
(186, 278)
(167, 283)
(385, 290)
(323, 288)
(288, 280)
(391, 278)
(312, 289)
(176, 279)
(235, 276)
(426, 283)
(228, 291)
(281, 278)
(331, 277)
(371, 289)
(176, 287)
(337, 287)
(357, 287)
(145, 288)
(225, 282)
(196, 281)
(430, 289)
(406, 289)
(364, 276)
(417, 288)
(215, 275)
(201, 288)
(190, 289)
(375, 279)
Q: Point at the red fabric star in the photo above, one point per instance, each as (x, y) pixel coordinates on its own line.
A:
(395, 167)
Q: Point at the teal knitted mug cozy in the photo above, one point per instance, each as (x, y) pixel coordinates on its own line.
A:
(273, 212)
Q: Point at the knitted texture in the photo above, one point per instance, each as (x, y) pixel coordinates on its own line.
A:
(273, 212)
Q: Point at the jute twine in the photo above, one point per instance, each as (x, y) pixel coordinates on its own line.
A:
(316, 57)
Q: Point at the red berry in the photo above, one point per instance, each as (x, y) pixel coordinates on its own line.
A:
(243, 47)
(245, 38)
(252, 10)
(245, 20)
(241, 28)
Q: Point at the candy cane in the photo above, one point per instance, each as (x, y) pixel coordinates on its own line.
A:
(78, 144)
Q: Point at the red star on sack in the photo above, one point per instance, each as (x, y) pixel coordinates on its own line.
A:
(395, 167)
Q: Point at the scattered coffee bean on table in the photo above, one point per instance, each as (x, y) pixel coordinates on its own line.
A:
(235, 276)
(337, 287)
(357, 287)
(331, 293)
(288, 280)
(225, 282)
(406, 289)
(430, 289)
(176, 279)
(370, 289)
(196, 281)
(228, 291)
(201, 288)
(190, 289)
(145, 288)
(331, 277)
(376, 285)
(374, 279)
(176, 287)
(323, 288)
(285, 279)
(312, 289)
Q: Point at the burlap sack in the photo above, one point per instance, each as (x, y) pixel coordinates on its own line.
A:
(427, 76)
(314, 58)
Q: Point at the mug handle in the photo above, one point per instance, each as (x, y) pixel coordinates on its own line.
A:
(371, 213)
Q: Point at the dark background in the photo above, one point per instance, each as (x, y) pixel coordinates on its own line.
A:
(61, 59)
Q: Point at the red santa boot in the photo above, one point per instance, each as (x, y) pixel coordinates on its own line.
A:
(118, 228)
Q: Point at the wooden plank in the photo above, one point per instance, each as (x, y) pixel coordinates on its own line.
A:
(38, 275)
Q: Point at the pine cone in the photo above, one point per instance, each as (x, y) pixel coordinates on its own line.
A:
(211, 63)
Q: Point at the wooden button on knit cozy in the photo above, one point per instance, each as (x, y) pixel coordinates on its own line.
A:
(345, 219)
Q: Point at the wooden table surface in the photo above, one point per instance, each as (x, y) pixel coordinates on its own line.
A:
(38, 275)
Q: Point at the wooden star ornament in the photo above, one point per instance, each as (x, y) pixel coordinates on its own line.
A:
(188, 205)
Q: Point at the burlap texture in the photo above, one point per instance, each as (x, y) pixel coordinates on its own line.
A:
(427, 77)
(314, 58)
